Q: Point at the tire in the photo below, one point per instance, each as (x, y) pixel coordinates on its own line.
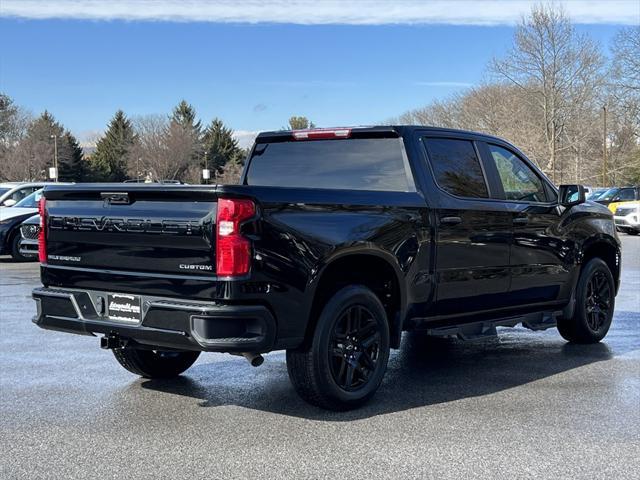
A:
(14, 244)
(595, 302)
(155, 363)
(632, 232)
(344, 365)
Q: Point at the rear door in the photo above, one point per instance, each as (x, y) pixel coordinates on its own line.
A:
(473, 231)
(539, 256)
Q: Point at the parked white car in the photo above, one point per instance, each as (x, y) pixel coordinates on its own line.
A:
(12, 192)
(627, 218)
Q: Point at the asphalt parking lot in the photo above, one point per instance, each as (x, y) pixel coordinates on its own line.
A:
(522, 406)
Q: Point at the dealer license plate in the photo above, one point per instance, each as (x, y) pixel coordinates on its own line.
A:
(124, 308)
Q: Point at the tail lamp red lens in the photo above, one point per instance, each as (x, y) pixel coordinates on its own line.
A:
(42, 236)
(233, 250)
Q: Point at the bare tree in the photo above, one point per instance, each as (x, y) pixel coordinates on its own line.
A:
(148, 158)
(231, 173)
(554, 67)
(14, 122)
(165, 149)
(624, 107)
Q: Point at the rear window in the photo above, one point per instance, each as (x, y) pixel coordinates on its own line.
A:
(456, 167)
(354, 164)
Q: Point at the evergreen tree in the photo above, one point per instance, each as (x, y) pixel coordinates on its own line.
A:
(71, 163)
(185, 115)
(109, 161)
(220, 147)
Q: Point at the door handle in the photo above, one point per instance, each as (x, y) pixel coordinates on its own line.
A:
(450, 220)
(521, 220)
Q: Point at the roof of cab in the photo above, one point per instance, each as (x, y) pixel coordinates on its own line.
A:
(371, 131)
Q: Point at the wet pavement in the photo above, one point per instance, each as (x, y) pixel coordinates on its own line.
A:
(525, 405)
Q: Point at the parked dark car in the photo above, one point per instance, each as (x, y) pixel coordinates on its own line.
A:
(29, 233)
(10, 221)
(617, 195)
(335, 243)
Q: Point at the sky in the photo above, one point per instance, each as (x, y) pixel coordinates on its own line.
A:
(254, 64)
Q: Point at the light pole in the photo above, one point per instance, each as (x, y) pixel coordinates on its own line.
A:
(53, 173)
(206, 174)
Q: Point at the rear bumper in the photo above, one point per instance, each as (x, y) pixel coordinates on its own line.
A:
(166, 322)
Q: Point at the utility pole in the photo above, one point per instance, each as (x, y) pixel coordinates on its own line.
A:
(605, 183)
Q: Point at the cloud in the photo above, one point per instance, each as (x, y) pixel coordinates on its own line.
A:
(88, 138)
(245, 137)
(444, 84)
(354, 12)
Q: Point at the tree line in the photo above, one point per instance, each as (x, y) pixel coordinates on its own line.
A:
(147, 148)
(572, 110)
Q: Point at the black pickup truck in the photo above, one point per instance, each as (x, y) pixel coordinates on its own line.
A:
(335, 242)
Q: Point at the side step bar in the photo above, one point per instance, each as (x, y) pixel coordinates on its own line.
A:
(487, 328)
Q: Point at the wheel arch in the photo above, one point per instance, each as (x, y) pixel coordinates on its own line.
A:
(376, 269)
(608, 250)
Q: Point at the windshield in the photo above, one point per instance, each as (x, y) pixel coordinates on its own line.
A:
(30, 201)
(3, 191)
(607, 194)
(596, 194)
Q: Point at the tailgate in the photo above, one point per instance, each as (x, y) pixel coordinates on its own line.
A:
(161, 229)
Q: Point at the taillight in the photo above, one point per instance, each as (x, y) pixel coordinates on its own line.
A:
(42, 236)
(233, 251)
(321, 133)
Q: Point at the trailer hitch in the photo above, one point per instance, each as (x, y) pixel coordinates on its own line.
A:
(109, 342)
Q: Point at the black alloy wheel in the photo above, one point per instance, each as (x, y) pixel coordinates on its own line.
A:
(598, 301)
(354, 347)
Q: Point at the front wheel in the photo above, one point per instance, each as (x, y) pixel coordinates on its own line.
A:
(155, 363)
(344, 365)
(595, 301)
(15, 250)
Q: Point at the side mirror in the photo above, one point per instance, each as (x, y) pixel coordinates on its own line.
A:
(570, 195)
(10, 202)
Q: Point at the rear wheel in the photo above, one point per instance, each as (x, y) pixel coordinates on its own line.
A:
(595, 301)
(155, 363)
(344, 365)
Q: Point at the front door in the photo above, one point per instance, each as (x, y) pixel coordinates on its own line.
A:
(540, 257)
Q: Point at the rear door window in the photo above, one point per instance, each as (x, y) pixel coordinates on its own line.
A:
(456, 167)
(353, 164)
